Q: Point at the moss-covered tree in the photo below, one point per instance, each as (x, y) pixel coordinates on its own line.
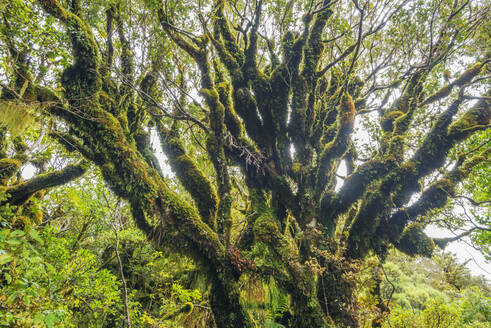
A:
(257, 104)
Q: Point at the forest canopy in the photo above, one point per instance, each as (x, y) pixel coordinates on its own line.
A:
(239, 163)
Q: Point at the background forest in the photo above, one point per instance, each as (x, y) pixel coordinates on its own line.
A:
(243, 163)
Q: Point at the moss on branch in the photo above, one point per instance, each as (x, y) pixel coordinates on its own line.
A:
(191, 177)
(397, 118)
(20, 193)
(434, 197)
(414, 241)
(80, 80)
(478, 116)
(335, 150)
(332, 205)
(229, 40)
(121, 165)
(314, 46)
(246, 106)
(443, 137)
(462, 80)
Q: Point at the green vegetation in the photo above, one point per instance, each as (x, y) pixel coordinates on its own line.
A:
(436, 292)
(239, 163)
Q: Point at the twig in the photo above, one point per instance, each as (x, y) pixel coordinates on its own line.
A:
(472, 201)
(125, 291)
(390, 282)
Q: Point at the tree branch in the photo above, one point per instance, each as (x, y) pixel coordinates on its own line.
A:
(21, 192)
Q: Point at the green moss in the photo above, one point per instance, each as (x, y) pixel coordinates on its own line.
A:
(440, 94)
(435, 196)
(20, 222)
(33, 211)
(265, 228)
(404, 184)
(365, 223)
(55, 8)
(413, 241)
(401, 112)
(106, 97)
(479, 115)
(8, 167)
(337, 147)
(189, 224)
(463, 79)
(185, 310)
(199, 187)
(191, 177)
(347, 110)
(469, 74)
(209, 93)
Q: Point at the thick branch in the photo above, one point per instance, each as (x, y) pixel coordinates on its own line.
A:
(434, 197)
(462, 80)
(335, 149)
(353, 188)
(191, 177)
(23, 191)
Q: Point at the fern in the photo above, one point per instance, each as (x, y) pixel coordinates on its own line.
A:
(278, 302)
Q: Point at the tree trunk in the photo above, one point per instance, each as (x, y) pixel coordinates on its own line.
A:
(225, 304)
(307, 313)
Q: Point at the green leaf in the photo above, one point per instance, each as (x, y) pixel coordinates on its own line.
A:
(27, 300)
(36, 259)
(17, 234)
(11, 298)
(8, 278)
(3, 234)
(5, 258)
(35, 236)
(14, 242)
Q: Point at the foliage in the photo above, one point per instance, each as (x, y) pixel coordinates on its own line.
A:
(444, 303)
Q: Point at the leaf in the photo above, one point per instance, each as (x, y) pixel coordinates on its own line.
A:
(5, 258)
(8, 278)
(27, 300)
(36, 259)
(14, 242)
(35, 236)
(11, 298)
(3, 234)
(272, 324)
(17, 234)
(50, 268)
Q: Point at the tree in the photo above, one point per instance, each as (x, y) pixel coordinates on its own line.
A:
(257, 105)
